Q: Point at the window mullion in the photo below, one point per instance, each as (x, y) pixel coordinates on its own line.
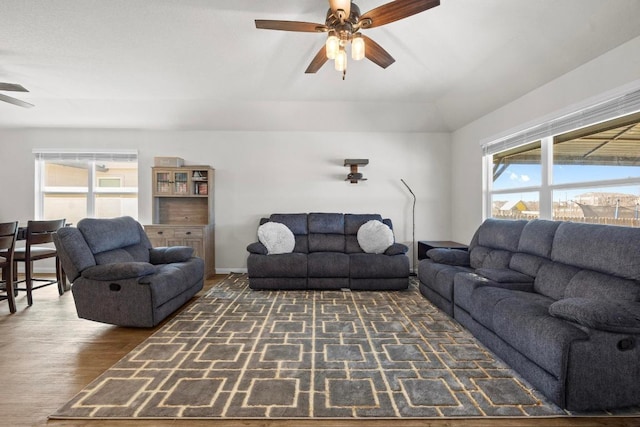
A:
(546, 195)
(91, 203)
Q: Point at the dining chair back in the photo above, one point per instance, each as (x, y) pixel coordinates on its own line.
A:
(39, 233)
(8, 233)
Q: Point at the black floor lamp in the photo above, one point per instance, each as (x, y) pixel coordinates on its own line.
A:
(413, 242)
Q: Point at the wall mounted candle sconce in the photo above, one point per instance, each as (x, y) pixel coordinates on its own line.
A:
(355, 176)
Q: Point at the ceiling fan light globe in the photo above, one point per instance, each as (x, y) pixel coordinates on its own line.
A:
(357, 47)
(341, 60)
(332, 45)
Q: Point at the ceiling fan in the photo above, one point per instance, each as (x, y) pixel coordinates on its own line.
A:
(15, 88)
(343, 25)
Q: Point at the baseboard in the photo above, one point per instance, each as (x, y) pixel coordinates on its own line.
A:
(231, 270)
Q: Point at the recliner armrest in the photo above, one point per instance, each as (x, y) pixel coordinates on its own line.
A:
(450, 256)
(257, 248)
(397, 249)
(119, 271)
(169, 255)
(602, 314)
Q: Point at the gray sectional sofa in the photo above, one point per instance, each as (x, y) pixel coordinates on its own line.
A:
(118, 278)
(557, 301)
(327, 255)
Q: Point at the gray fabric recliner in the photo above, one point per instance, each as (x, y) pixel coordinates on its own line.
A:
(118, 278)
(557, 301)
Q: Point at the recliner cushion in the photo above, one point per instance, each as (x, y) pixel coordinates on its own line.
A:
(106, 234)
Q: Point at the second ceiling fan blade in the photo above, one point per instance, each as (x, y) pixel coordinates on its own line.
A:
(305, 27)
(396, 10)
(13, 86)
(15, 101)
(318, 61)
(375, 53)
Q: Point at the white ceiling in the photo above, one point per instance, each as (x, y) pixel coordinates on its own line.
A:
(201, 64)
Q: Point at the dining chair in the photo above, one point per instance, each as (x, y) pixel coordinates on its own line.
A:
(8, 232)
(39, 234)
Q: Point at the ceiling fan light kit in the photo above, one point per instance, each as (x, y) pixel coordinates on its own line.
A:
(354, 176)
(343, 24)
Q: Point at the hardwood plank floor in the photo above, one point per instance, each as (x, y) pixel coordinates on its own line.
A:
(48, 355)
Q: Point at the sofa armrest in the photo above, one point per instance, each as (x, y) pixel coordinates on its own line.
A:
(601, 314)
(397, 249)
(119, 271)
(504, 275)
(169, 255)
(257, 248)
(449, 256)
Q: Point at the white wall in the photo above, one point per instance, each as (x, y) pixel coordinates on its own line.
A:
(609, 75)
(259, 173)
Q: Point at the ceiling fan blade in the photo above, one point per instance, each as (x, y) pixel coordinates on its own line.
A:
(336, 5)
(305, 27)
(13, 86)
(396, 10)
(375, 53)
(318, 61)
(14, 101)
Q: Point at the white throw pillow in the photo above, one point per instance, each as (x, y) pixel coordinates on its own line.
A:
(276, 237)
(374, 237)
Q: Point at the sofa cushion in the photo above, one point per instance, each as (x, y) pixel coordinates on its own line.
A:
(590, 284)
(374, 237)
(602, 314)
(283, 265)
(524, 322)
(482, 256)
(326, 242)
(119, 271)
(297, 223)
(107, 234)
(378, 266)
(133, 253)
(326, 223)
(276, 237)
(500, 234)
(504, 275)
(449, 256)
(605, 248)
(537, 237)
(328, 264)
(553, 278)
(167, 255)
(397, 249)
(352, 222)
(439, 276)
(527, 263)
(171, 280)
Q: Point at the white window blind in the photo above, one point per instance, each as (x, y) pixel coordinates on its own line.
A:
(607, 110)
(86, 156)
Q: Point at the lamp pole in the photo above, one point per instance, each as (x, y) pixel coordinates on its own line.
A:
(413, 228)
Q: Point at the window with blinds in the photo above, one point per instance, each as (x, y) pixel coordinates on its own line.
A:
(79, 184)
(583, 166)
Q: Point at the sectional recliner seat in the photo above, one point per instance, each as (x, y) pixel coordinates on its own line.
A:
(327, 255)
(558, 301)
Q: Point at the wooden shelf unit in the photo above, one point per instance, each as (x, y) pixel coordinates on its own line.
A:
(183, 211)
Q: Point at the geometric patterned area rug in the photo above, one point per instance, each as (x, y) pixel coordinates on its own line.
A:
(238, 353)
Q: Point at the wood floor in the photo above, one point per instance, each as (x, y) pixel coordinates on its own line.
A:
(48, 355)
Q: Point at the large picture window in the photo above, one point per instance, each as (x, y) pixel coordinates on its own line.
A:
(583, 174)
(75, 185)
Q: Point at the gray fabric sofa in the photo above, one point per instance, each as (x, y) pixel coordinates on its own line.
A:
(557, 301)
(327, 256)
(118, 278)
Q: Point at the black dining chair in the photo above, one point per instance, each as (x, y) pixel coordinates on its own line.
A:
(38, 235)
(8, 232)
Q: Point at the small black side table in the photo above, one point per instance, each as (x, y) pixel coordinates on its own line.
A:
(425, 245)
